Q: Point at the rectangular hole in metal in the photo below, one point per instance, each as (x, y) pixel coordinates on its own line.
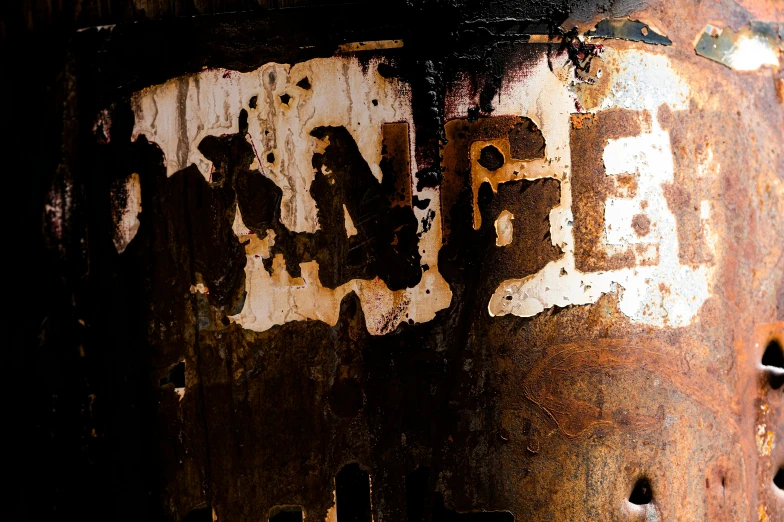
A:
(352, 492)
(286, 514)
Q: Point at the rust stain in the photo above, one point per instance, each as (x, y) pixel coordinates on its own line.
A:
(544, 384)
(641, 224)
(591, 187)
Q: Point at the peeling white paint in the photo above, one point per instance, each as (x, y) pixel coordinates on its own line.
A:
(504, 228)
(278, 298)
(661, 293)
(178, 114)
(650, 159)
(340, 92)
(642, 81)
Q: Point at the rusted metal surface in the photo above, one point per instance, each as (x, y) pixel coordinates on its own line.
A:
(523, 267)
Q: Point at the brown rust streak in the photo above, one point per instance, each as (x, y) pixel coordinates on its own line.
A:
(694, 140)
(591, 186)
(396, 163)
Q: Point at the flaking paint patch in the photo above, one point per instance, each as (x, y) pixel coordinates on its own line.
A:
(661, 293)
(178, 114)
(277, 298)
(630, 79)
(504, 231)
(642, 81)
(339, 91)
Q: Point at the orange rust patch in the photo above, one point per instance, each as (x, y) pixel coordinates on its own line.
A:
(626, 185)
(578, 120)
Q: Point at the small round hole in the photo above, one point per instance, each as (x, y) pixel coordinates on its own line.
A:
(642, 493)
(773, 359)
(270, 157)
(778, 480)
(491, 158)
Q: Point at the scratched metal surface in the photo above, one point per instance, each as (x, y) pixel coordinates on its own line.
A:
(519, 267)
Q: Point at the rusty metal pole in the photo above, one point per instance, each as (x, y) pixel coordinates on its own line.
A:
(490, 262)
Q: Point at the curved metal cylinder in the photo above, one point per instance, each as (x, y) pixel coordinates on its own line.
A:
(525, 266)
